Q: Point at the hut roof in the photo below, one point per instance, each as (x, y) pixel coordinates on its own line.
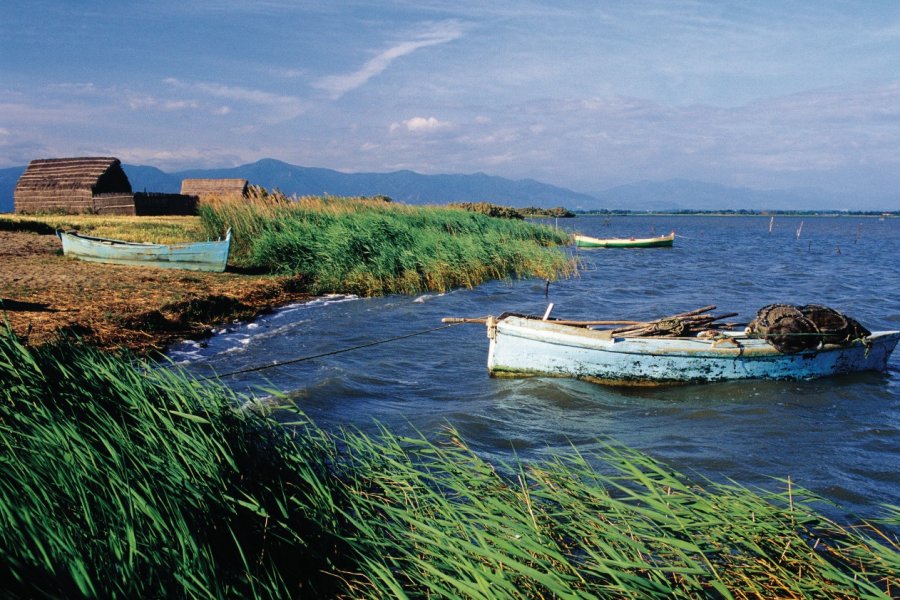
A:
(97, 174)
(201, 187)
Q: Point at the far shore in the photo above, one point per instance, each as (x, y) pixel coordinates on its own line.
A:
(738, 213)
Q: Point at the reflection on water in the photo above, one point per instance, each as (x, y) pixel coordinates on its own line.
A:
(838, 436)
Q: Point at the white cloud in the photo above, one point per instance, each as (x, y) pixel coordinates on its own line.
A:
(287, 73)
(82, 88)
(338, 85)
(152, 103)
(421, 125)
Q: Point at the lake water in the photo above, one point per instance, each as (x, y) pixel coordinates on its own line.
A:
(839, 436)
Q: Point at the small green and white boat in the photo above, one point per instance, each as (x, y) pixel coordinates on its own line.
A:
(586, 241)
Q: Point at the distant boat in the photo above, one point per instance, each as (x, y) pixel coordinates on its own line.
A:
(530, 346)
(193, 256)
(586, 241)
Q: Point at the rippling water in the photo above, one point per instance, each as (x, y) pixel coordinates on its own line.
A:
(837, 436)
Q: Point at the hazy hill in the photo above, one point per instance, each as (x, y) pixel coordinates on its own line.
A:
(415, 188)
(403, 186)
(684, 194)
(8, 179)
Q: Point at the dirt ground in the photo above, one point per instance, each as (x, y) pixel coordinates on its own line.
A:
(44, 294)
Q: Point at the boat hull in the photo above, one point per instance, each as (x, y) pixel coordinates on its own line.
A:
(196, 256)
(523, 347)
(585, 241)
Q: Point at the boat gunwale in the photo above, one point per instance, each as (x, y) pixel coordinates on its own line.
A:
(74, 233)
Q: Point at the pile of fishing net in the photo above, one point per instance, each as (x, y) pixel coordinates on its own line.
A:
(792, 328)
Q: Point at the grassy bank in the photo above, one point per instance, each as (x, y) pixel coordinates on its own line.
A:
(372, 247)
(119, 480)
(282, 252)
(345, 245)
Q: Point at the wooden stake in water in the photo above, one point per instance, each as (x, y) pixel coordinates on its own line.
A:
(547, 312)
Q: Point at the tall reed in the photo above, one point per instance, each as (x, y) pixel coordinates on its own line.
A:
(438, 521)
(119, 481)
(372, 247)
(122, 479)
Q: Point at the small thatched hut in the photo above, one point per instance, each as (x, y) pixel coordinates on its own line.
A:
(214, 187)
(74, 185)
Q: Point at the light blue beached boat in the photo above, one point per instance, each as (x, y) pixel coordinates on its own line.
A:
(193, 256)
(521, 346)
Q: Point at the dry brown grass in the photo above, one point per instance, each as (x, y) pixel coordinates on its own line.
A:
(115, 307)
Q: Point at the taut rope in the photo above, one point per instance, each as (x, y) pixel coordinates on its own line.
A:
(324, 354)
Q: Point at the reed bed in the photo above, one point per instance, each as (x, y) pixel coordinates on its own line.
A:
(122, 479)
(371, 247)
(119, 481)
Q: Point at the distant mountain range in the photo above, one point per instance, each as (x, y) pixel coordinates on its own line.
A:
(415, 188)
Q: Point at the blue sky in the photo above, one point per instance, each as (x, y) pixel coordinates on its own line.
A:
(586, 95)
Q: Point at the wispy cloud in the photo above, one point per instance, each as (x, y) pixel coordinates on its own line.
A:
(153, 103)
(783, 141)
(440, 33)
(175, 157)
(281, 108)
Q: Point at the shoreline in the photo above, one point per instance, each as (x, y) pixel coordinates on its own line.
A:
(44, 294)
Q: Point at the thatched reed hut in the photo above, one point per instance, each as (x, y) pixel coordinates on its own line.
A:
(96, 185)
(214, 187)
(74, 185)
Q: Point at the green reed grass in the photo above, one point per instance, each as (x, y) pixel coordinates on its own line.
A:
(439, 521)
(371, 247)
(118, 479)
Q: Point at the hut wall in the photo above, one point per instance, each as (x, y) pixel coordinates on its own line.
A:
(214, 187)
(113, 204)
(151, 204)
(54, 200)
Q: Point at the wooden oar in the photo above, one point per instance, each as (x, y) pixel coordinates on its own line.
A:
(483, 320)
(692, 313)
(479, 320)
(694, 322)
(693, 317)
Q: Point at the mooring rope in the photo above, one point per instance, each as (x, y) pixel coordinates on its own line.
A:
(324, 354)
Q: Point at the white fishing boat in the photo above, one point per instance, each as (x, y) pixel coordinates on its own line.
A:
(531, 346)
